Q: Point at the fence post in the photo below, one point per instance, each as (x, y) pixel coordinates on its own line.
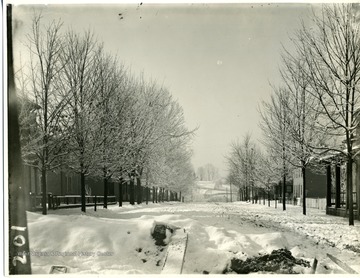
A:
(95, 204)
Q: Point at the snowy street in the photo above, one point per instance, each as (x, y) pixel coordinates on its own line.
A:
(118, 240)
(167, 139)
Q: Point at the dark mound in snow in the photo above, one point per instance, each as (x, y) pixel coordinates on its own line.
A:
(279, 261)
(159, 234)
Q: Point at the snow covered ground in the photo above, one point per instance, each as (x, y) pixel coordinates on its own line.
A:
(118, 240)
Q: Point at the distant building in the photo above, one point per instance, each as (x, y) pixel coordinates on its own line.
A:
(315, 180)
(278, 188)
(337, 195)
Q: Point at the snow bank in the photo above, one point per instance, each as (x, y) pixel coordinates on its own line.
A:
(118, 240)
(88, 244)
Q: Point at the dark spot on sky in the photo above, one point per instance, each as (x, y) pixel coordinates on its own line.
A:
(140, 3)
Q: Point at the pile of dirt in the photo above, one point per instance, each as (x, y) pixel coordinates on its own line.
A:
(279, 261)
(160, 235)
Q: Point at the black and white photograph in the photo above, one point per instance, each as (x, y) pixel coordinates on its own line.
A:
(181, 138)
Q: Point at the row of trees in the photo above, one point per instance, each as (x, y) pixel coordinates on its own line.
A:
(82, 108)
(208, 172)
(250, 168)
(314, 112)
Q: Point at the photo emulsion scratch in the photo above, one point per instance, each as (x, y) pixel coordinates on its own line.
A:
(183, 138)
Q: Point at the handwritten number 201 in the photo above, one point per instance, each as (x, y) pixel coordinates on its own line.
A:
(19, 241)
(21, 259)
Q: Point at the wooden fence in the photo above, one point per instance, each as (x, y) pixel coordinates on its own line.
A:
(138, 194)
(69, 201)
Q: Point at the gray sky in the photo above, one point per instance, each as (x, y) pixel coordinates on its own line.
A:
(217, 60)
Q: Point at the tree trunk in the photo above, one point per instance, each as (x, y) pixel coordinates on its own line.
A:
(138, 191)
(264, 197)
(147, 195)
(303, 171)
(132, 191)
(105, 191)
(120, 192)
(82, 186)
(357, 184)
(252, 194)
(284, 192)
(350, 188)
(44, 191)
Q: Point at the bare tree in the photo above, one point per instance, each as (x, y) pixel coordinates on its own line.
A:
(302, 119)
(78, 82)
(109, 105)
(266, 175)
(242, 162)
(42, 115)
(157, 120)
(170, 167)
(275, 126)
(212, 173)
(332, 55)
(201, 173)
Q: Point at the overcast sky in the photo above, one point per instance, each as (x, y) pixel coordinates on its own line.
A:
(217, 60)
